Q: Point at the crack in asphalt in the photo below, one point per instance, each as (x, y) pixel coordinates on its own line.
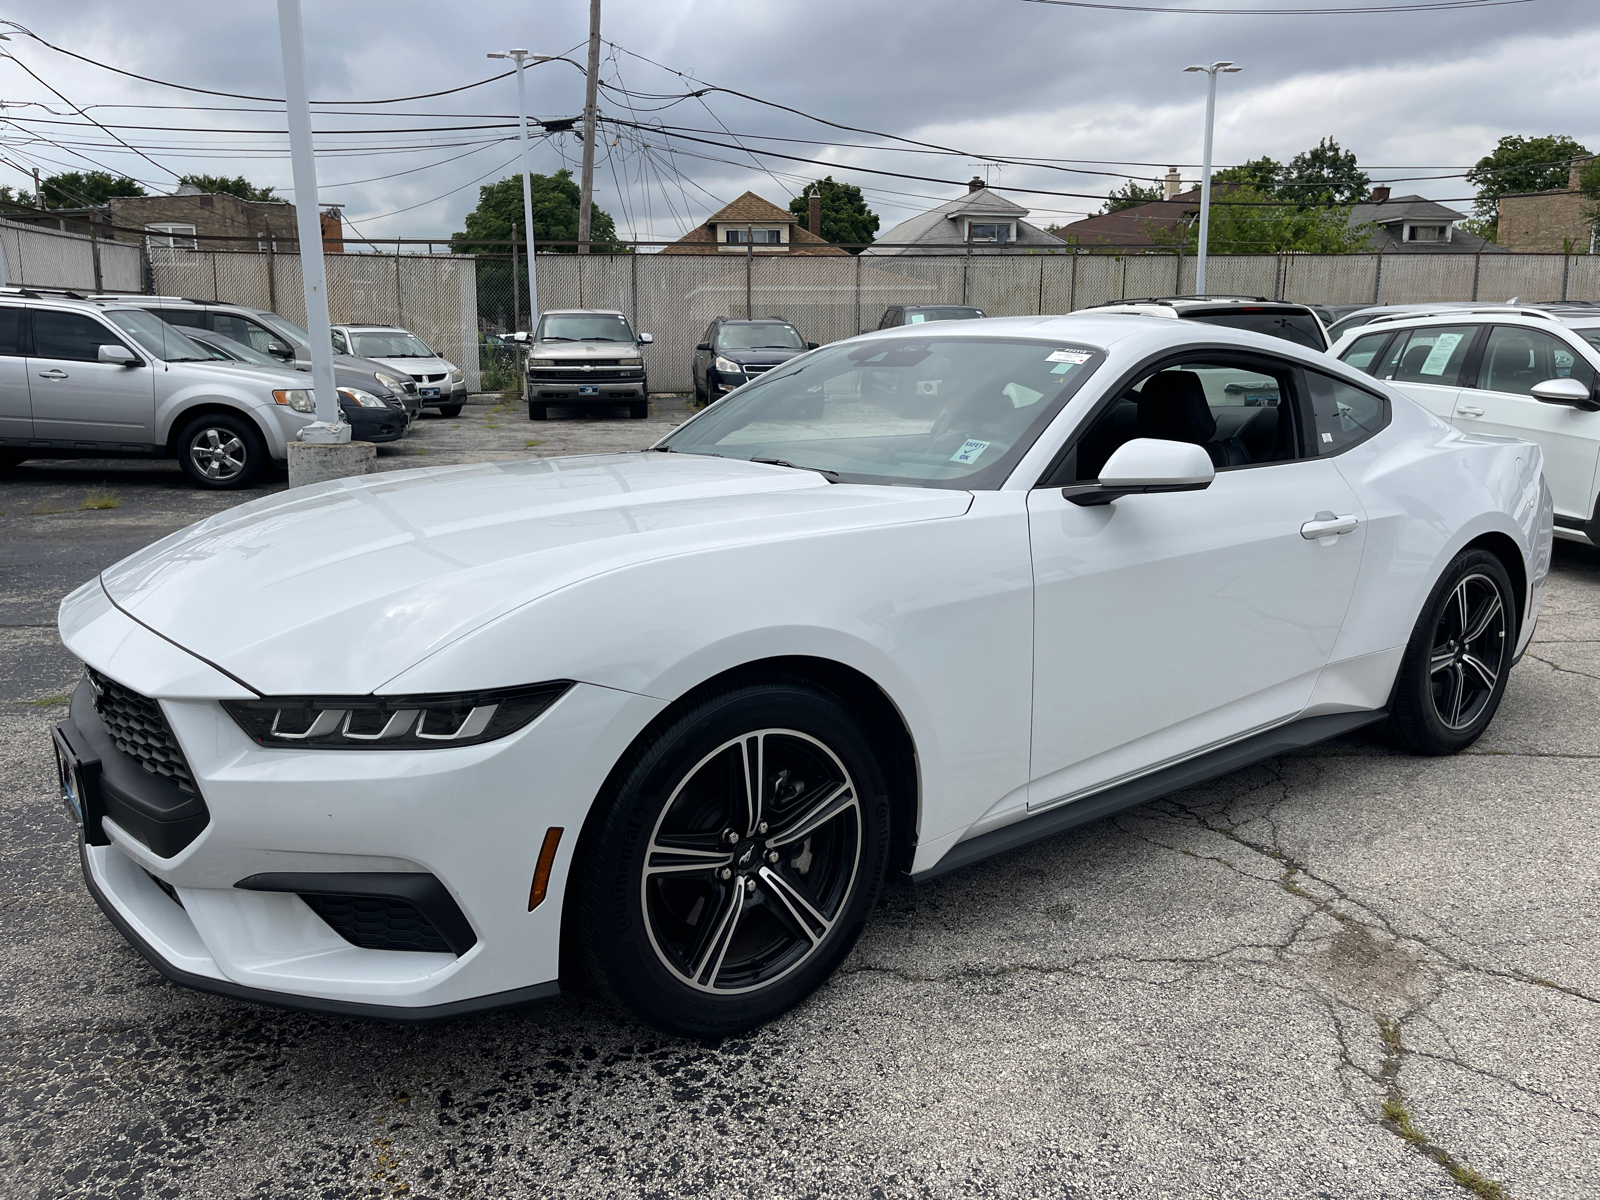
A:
(1561, 669)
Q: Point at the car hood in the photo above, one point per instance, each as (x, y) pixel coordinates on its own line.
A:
(414, 366)
(583, 351)
(339, 587)
(759, 356)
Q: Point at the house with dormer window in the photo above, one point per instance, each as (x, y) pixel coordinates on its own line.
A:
(982, 221)
(751, 225)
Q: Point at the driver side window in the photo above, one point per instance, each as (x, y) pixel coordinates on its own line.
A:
(1242, 413)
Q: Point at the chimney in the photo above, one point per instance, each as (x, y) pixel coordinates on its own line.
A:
(1579, 166)
(332, 231)
(1379, 195)
(1172, 184)
(814, 213)
(975, 184)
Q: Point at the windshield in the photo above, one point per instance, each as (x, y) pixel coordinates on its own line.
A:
(1301, 328)
(938, 412)
(287, 330)
(583, 327)
(941, 312)
(229, 348)
(772, 336)
(155, 335)
(389, 345)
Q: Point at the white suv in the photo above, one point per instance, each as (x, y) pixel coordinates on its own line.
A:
(440, 383)
(103, 379)
(1526, 373)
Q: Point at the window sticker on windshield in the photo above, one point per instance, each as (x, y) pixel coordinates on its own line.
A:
(1076, 357)
(916, 318)
(969, 452)
(1020, 396)
(1439, 356)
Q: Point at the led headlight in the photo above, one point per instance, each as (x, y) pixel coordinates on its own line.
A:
(392, 722)
(298, 399)
(728, 365)
(457, 375)
(364, 399)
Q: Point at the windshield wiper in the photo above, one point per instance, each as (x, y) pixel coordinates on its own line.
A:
(555, 337)
(830, 476)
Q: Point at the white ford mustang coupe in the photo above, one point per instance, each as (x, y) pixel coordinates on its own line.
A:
(419, 744)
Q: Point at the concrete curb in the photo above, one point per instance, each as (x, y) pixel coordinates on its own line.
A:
(312, 463)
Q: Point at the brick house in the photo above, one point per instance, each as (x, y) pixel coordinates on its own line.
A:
(1551, 221)
(751, 225)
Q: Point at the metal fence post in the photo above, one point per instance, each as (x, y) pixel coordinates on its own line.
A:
(633, 272)
(966, 265)
(272, 272)
(858, 291)
(1177, 274)
(94, 251)
(1072, 286)
(1477, 265)
(1040, 308)
(1377, 277)
(1566, 273)
(399, 307)
(215, 294)
(749, 261)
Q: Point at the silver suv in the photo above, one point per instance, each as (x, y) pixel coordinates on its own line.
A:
(104, 379)
(586, 356)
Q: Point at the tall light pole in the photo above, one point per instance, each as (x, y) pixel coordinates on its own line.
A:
(1215, 69)
(329, 427)
(522, 59)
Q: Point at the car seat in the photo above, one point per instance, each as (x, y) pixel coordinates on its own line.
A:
(1173, 408)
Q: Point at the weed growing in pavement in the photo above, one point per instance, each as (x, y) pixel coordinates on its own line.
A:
(530, 444)
(49, 701)
(1396, 1113)
(100, 498)
(1286, 881)
(419, 450)
(43, 509)
(1475, 1183)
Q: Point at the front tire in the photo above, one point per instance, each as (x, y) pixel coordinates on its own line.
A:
(12, 458)
(639, 410)
(449, 410)
(1455, 666)
(538, 412)
(733, 859)
(221, 452)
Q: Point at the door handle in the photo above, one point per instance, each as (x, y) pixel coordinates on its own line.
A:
(1466, 410)
(53, 373)
(1326, 524)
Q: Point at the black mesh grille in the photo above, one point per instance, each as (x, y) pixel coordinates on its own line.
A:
(139, 729)
(378, 922)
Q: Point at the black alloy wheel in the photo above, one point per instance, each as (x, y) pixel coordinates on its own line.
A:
(221, 451)
(1455, 666)
(736, 861)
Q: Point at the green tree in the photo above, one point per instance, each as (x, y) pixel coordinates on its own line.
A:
(76, 189)
(1519, 164)
(1264, 174)
(555, 219)
(1246, 220)
(1323, 175)
(1130, 195)
(845, 215)
(237, 185)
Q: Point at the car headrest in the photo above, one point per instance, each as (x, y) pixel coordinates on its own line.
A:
(1172, 407)
(1411, 364)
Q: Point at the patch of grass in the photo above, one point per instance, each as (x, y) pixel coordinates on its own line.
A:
(49, 701)
(491, 424)
(1478, 1185)
(419, 450)
(100, 498)
(1396, 1113)
(1287, 883)
(43, 509)
(530, 444)
(1389, 1030)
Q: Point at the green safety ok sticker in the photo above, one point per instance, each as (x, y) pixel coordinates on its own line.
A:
(969, 452)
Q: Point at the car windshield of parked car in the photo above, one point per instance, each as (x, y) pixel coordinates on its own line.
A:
(287, 330)
(944, 312)
(1590, 335)
(937, 412)
(227, 347)
(771, 335)
(389, 345)
(583, 327)
(1302, 329)
(155, 335)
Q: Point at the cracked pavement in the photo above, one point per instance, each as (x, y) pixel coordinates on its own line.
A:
(1346, 973)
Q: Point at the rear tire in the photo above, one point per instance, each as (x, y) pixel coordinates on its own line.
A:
(653, 918)
(640, 410)
(12, 458)
(699, 395)
(1455, 666)
(449, 410)
(221, 452)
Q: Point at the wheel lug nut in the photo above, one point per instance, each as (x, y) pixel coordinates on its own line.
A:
(726, 873)
(772, 856)
(749, 884)
(730, 836)
(761, 828)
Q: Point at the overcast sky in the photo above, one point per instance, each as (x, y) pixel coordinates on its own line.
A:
(1411, 94)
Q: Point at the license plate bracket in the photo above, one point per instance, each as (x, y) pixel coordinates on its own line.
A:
(584, 390)
(430, 393)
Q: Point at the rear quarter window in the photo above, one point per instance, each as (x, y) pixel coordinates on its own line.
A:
(1344, 415)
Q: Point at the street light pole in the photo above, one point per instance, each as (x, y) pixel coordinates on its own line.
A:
(329, 427)
(522, 58)
(586, 180)
(1211, 72)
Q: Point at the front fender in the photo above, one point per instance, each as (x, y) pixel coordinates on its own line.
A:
(276, 423)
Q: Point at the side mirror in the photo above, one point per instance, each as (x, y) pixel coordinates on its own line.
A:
(1566, 391)
(1146, 465)
(645, 339)
(281, 350)
(703, 346)
(519, 337)
(811, 345)
(120, 355)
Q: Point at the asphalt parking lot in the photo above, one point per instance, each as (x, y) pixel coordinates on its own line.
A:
(1346, 973)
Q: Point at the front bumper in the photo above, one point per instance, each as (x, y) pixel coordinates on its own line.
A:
(376, 425)
(588, 391)
(472, 818)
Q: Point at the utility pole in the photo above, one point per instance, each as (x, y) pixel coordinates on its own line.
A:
(586, 185)
(329, 427)
(1211, 72)
(522, 59)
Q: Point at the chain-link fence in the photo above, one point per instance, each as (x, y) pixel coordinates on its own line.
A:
(461, 304)
(49, 258)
